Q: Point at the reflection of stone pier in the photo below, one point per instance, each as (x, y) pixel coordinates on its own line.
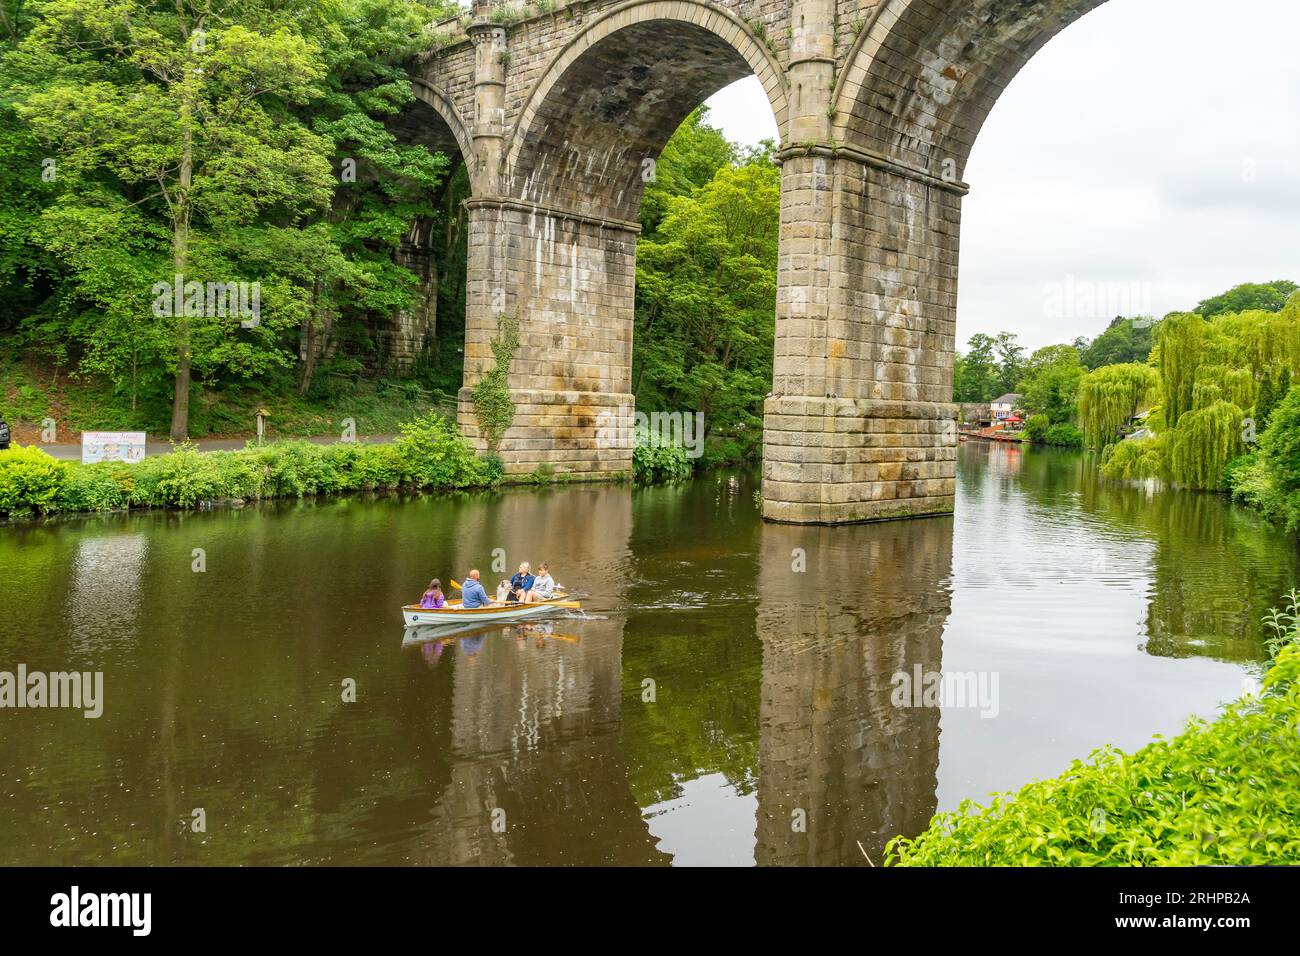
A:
(873, 601)
(535, 729)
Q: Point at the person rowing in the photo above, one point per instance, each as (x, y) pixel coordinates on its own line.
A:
(472, 593)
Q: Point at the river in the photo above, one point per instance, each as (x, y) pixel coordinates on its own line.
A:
(729, 695)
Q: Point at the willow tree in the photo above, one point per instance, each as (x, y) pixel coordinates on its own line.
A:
(1110, 396)
(1138, 458)
(1258, 341)
(1205, 440)
(1180, 341)
(1215, 383)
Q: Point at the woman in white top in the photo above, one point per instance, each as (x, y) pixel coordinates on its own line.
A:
(543, 585)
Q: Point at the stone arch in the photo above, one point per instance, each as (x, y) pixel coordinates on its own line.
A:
(923, 76)
(456, 132)
(617, 91)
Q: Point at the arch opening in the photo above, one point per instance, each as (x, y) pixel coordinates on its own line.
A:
(426, 339)
(599, 117)
(923, 78)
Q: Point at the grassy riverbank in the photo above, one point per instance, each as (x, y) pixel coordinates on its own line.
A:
(1224, 792)
(428, 454)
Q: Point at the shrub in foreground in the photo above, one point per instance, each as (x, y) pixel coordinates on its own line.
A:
(1219, 793)
(31, 482)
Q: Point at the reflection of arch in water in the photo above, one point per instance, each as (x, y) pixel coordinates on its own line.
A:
(873, 602)
(535, 731)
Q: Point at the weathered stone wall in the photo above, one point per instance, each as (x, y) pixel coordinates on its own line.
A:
(569, 282)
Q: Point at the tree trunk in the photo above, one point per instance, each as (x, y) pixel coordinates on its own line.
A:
(180, 261)
(307, 335)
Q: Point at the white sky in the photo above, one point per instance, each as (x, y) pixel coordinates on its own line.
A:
(1149, 156)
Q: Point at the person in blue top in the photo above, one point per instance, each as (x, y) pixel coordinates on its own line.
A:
(472, 593)
(522, 583)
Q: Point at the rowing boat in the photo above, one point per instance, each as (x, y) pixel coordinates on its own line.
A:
(453, 613)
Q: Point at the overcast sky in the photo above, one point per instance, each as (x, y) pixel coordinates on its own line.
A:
(1146, 158)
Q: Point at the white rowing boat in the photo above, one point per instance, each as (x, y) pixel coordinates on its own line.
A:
(453, 613)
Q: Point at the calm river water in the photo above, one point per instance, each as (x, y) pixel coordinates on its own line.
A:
(726, 699)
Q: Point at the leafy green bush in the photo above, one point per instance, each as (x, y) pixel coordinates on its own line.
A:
(30, 481)
(103, 487)
(429, 454)
(434, 455)
(1065, 435)
(294, 469)
(1235, 471)
(181, 479)
(1037, 427)
(238, 474)
(655, 460)
(378, 467)
(1270, 478)
(1220, 793)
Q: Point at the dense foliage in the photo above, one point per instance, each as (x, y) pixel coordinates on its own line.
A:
(1050, 385)
(656, 460)
(1219, 793)
(1222, 384)
(1125, 340)
(706, 286)
(429, 454)
(190, 143)
(1110, 397)
(991, 367)
(1248, 297)
(1269, 479)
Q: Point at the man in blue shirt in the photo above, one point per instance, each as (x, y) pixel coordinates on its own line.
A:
(472, 594)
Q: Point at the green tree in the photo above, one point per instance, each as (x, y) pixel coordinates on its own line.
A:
(185, 109)
(1051, 382)
(690, 159)
(1124, 341)
(1280, 444)
(975, 378)
(1011, 361)
(706, 299)
(1180, 344)
(208, 141)
(1265, 296)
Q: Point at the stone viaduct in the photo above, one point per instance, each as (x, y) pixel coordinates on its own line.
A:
(559, 110)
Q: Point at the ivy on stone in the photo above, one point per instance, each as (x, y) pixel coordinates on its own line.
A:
(493, 408)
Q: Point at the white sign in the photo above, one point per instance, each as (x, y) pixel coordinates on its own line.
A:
(111, 446)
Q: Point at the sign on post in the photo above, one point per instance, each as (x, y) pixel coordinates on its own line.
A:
(112, 446)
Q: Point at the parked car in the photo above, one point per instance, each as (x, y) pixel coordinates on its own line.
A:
(4, 433)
